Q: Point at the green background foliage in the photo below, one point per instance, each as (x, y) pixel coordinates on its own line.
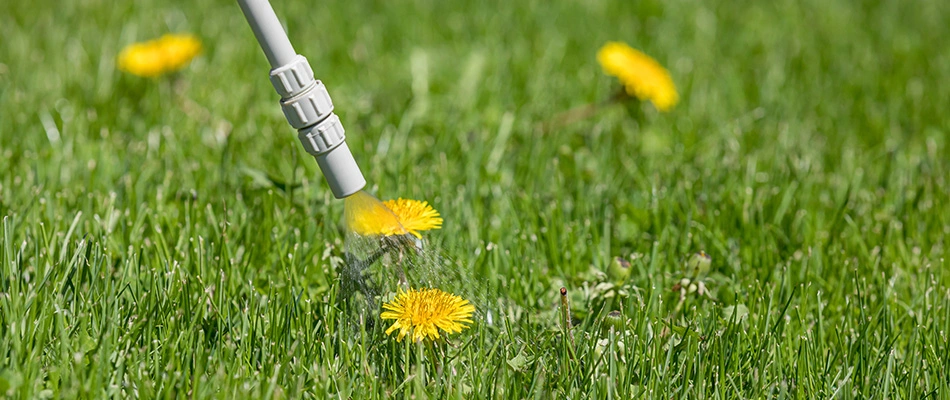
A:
(169, 238)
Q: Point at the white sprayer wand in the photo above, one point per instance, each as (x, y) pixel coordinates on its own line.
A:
(305, 101)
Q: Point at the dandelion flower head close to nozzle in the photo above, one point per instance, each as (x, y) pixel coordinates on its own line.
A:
(421, 313)
(393, 217)
(166, 54)
(641, 75)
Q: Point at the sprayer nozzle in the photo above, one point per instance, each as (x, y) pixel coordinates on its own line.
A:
(341, 171)
(326, 141)
(305, 101)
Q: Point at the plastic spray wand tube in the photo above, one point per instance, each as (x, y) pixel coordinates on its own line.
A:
(305, 101)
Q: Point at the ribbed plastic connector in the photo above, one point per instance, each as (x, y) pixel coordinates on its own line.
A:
(309, 107)
(304, 101)
(326, 142)
(291, 79)
(322, 137)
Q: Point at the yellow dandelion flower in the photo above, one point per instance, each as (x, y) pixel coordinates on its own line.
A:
(160, 56)
(421, 313)
(366, 216)
(414, 215)
(641, 75)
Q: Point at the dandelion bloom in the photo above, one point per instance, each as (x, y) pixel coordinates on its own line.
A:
(166, 54)
(393, 217)
(641, 75)
(415, 215)
(421, 313)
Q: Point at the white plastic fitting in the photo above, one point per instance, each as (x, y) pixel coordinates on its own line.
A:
(305, 101)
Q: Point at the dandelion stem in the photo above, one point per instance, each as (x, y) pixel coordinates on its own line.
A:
(403, 281)
(582, 112)
(674, 315)
(566, 320)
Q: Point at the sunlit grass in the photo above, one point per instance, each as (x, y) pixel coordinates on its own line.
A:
(168, 237)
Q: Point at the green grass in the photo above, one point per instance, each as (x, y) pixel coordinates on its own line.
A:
(146, 253)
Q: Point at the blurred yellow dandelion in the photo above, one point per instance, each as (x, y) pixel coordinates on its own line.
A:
(641, 75)
(166, 54)
(367, 217)
(421, 313)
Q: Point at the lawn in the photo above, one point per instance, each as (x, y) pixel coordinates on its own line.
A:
(169, 237)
